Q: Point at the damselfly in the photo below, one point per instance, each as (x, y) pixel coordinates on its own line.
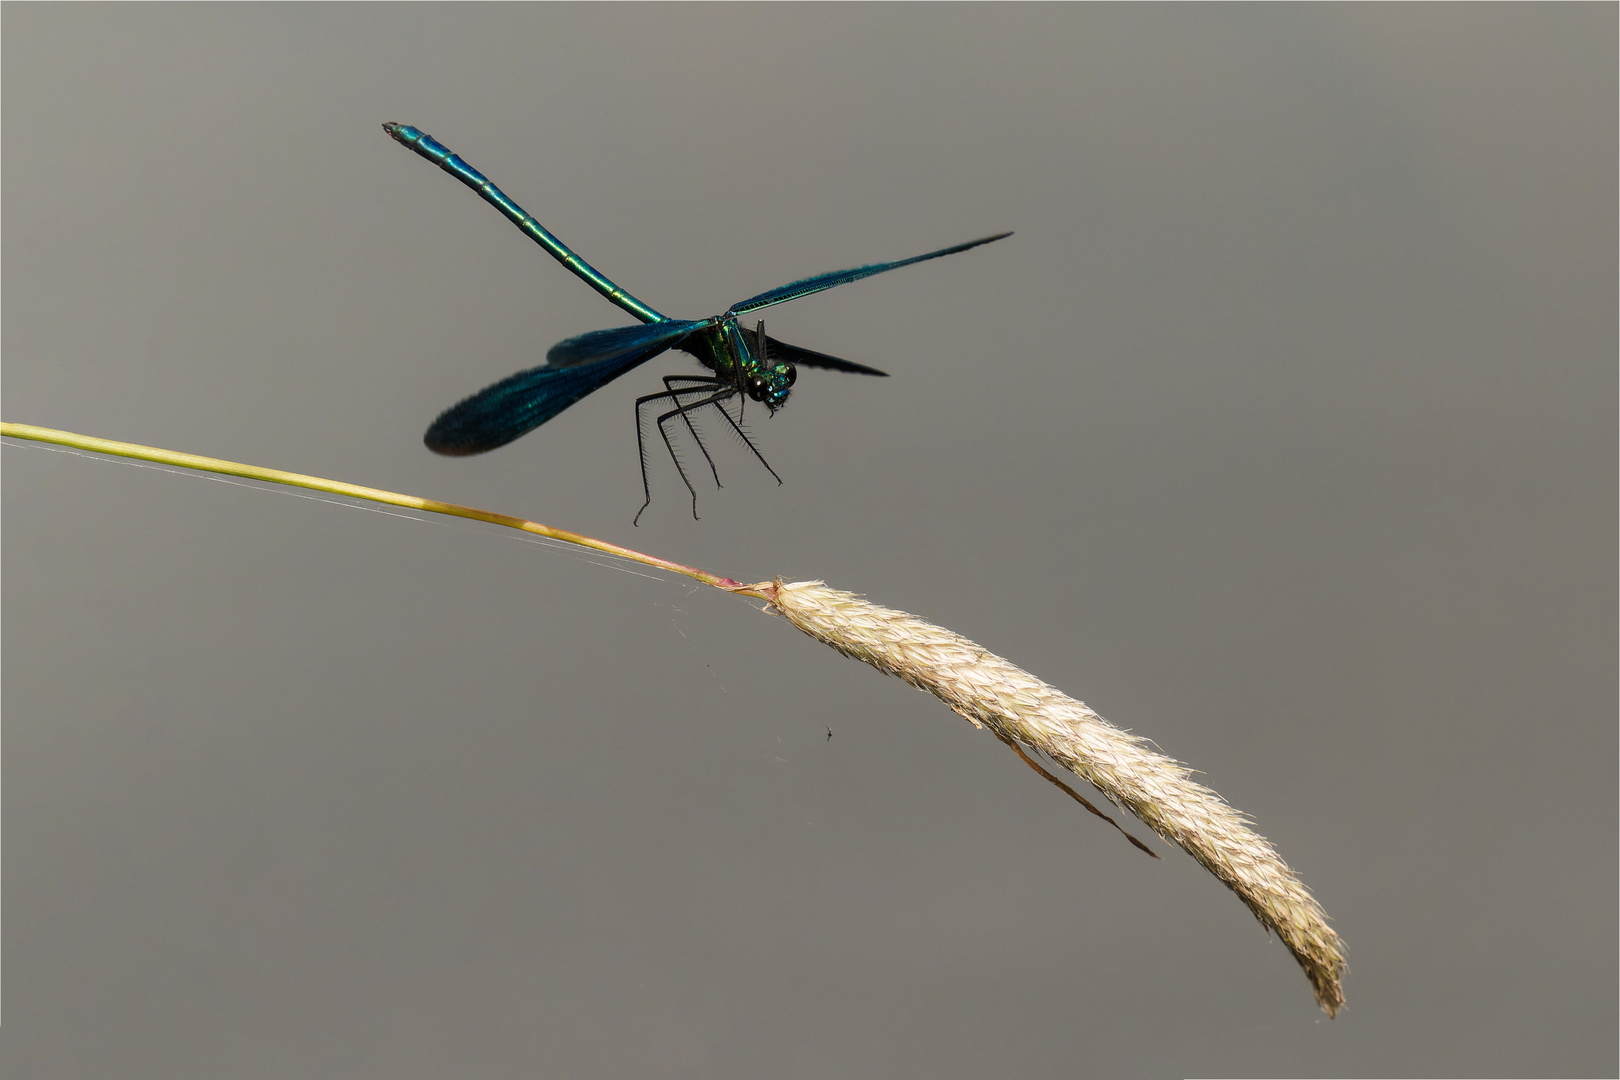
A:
(745, 363)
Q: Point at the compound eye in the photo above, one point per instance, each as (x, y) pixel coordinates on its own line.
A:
(788, 373)
(758, 387)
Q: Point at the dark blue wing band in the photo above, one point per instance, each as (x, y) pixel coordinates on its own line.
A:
(520, 403)
(611, 344)
(793, 291)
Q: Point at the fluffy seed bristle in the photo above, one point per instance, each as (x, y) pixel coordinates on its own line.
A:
(991, 692)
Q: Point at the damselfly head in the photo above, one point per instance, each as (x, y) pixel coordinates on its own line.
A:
(769, 383)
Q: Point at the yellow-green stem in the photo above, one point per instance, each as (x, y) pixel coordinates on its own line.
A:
(337, 487)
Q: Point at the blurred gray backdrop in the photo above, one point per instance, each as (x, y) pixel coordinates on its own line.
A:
(1282, 433)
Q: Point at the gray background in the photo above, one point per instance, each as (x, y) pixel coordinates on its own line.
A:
(1282, 432)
